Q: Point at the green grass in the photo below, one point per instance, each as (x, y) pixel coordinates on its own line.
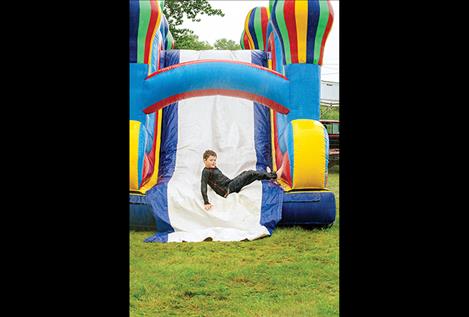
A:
(331, 113)
(295, 272)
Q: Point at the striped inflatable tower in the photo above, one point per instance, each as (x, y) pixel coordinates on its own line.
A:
(293, 34)
(255, 28)
(300, 30)
(149, 36)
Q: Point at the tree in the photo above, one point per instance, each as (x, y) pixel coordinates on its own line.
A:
(224, 44)
(175, 10)
(190, 41)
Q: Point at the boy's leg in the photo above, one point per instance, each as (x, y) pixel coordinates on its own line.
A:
(247, 177)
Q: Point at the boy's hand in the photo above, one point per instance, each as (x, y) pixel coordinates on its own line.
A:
(208, 206)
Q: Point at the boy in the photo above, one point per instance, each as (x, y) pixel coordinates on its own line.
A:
(222, 185)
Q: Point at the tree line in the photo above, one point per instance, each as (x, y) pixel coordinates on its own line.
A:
(184, 38)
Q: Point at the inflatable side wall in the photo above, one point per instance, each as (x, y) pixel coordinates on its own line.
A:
(148, 36)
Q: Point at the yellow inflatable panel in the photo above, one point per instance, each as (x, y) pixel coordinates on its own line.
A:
(309, 144)
(301, 14)
(133, 164)
(272, 139)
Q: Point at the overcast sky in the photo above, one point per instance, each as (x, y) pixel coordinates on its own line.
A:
(212, 28)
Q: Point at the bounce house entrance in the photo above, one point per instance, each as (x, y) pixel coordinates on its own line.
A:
(256, 108)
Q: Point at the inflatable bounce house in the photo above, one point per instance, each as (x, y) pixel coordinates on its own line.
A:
(256, 108)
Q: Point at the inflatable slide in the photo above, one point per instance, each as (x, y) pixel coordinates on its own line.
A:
(257, 108)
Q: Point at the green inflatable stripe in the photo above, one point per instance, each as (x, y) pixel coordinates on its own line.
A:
(145, 11)
(283, 31)
(169, 40)
(241, 42)
(323, 18)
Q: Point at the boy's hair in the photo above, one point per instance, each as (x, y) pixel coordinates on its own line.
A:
(209, 153)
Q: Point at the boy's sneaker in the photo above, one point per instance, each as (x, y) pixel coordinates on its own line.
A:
(272, 175)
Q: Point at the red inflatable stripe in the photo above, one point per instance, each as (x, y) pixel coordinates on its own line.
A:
(290, 20)
(151, 27)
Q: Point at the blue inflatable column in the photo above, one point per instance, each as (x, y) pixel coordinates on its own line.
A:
(138, 73)
(305, 84)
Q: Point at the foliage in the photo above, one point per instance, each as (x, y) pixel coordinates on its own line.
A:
(225, 44)
(190, 41)
(176, 10)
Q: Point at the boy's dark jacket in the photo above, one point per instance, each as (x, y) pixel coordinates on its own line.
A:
(216, 180)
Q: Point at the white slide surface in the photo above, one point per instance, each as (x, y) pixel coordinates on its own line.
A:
(225, 125)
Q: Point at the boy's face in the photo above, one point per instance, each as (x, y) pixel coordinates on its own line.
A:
(210, 162)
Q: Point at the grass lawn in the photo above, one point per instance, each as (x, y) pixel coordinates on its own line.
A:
(295, 272)
(332, 113)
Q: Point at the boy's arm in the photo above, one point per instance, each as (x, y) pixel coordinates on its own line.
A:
(203, 186)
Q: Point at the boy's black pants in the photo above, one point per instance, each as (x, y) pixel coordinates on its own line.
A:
(246, 178)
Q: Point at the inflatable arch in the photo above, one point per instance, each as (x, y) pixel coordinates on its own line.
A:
(278, 72)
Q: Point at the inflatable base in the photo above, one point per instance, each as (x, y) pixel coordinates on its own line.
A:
(308, 208)
(140, 214)
(305, 208)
